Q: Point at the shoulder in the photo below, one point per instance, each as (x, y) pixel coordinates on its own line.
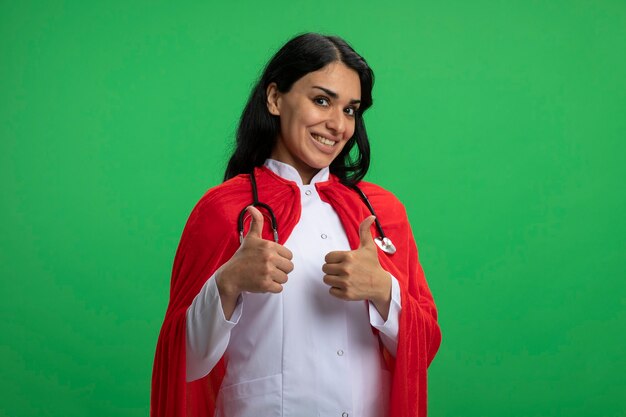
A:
(220, 202)
(224, 193)
(381, 197)
(382, 200)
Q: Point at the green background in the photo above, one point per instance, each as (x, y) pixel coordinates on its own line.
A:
(499, 124)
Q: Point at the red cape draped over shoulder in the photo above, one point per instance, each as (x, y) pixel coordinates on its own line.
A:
(210, 238)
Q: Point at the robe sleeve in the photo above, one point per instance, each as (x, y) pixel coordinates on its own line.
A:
(208, 330)
(388, 329)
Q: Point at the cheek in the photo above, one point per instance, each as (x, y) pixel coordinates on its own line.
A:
(296, 121)
(311, 117)
(289, 126)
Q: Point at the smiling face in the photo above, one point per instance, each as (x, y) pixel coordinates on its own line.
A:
(317, 117)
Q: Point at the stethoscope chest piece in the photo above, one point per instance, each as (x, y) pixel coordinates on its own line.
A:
(386, 245)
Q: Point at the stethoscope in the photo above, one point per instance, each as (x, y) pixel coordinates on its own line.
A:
(383, 242)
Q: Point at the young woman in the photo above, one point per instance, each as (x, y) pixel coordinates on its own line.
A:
(289, 296)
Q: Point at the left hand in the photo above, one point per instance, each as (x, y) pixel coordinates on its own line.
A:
(357, 275)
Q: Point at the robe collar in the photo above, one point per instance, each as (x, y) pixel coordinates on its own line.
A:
(289, 173)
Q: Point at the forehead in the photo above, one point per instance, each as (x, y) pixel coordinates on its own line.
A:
(335, 76)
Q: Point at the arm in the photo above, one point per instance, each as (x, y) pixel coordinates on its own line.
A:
(257, 266)
(207, 330)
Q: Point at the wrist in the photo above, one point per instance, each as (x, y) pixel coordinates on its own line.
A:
(383, 293)
(382, 300)
(226, 288)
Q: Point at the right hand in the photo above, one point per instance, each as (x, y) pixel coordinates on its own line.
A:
(258, 266)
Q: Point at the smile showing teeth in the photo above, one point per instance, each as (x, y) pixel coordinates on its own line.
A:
(323, 140)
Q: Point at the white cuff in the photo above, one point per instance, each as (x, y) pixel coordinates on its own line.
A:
(388, 330)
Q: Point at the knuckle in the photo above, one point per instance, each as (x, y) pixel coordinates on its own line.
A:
(266, 255)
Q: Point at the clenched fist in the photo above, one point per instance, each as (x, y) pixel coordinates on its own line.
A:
(258, 266)
(357, 274)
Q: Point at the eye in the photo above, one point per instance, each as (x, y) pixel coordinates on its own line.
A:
(321, 101)
(350, 111)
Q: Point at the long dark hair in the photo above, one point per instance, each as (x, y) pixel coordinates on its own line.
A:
(258, 129)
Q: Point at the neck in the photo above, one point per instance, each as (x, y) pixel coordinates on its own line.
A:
(306, 178)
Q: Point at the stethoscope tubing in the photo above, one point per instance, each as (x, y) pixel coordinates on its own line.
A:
(382, 241)
(257, 203)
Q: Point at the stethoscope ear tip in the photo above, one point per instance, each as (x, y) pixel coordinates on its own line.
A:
(386, 245)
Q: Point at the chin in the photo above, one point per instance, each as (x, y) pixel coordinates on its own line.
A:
(321, 163)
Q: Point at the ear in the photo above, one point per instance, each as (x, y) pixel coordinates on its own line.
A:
(273, 98)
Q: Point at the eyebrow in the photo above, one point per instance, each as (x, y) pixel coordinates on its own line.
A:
(334, 95)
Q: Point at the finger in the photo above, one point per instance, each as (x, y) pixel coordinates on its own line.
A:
(334, 281)
(275, 288)
(337, 292)
(284, 252)
(365, 233)
(333, 269)
(256, 224)
(336, 256)
(280, 277)
(284, 265)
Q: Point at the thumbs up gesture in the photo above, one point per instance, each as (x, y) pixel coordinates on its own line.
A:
(258, 266)
(357, 274)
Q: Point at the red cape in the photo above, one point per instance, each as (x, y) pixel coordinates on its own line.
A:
(210, 238)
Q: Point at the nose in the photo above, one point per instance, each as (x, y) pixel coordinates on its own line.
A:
(336, 122)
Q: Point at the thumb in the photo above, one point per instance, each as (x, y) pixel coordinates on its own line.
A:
(365, 234)
(256, 224)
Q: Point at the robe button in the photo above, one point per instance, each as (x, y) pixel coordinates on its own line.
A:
(340, 352)
(323, 236)
(307, 192)
(344, 414)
